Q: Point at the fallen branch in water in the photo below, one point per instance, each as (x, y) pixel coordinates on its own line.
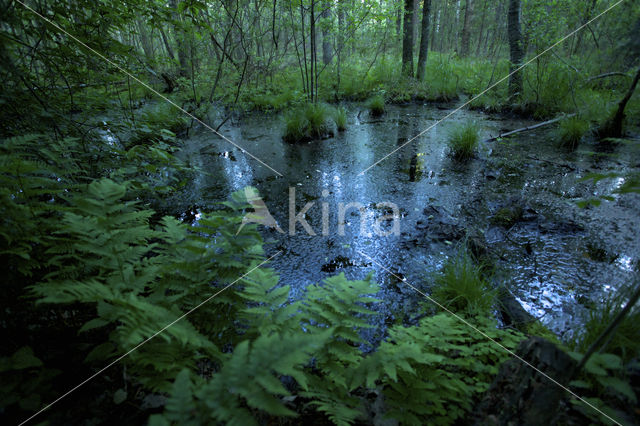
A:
(526, 129)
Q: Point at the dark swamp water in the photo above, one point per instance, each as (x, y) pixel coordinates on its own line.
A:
(557, 259)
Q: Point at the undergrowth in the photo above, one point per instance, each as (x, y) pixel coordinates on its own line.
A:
(130, 272)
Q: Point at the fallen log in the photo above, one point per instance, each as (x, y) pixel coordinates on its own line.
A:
(512, 312)
(528, 128)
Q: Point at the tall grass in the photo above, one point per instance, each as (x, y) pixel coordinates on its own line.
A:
(571, 131)
(463, 141)
(461, 286)
(376, 105)
(313, 121)
(625, 342)
(340, 118)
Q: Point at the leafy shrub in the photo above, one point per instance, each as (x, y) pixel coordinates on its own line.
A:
(376, 105)
(461, 286)
(314, 121)
(463, 141)
(571, 131)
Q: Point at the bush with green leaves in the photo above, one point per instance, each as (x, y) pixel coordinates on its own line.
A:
(463, 141)
(571, 131)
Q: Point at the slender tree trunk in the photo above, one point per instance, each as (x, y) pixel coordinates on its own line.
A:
(586, 18)
(327, 51)
(180, 39)
(407, 40)
(443, 21)
(167, 45)
(435, 27)
(466, 28)
(481, 32)
(145, 42)
(312, 35)
(340, 42)
(516, 53)
(613, 127)
(424, 40)
(414, 22)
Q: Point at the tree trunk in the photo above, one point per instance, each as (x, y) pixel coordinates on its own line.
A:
(167, 45)
(481, 31)
(466, 29)
(407, 40)
(515, 48)
(399, 22)
(145, 42)
(424, 40)
(180, 39)
(312, 37)
(414, 22)
(327, 52)
(613, 127)
(435, 26)
(586, 18)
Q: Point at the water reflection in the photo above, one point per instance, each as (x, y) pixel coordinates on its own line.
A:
(418, 178)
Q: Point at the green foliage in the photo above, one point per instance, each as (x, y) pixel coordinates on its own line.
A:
(571, 131)
(624, 343)
(25, 380)
(313, 121)
(463, 141)
(461, 286)
(603, 384)
(376, 105)
(437, 369)
(138, 286)
(158, 122)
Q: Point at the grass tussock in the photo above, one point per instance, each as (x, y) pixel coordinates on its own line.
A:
(571, 131)
(461, 286)
(463, 141)
(376, 106)
(313, 121)
(624, 342)
(340, 118)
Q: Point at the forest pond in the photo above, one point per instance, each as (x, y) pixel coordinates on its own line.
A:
(552, 252)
